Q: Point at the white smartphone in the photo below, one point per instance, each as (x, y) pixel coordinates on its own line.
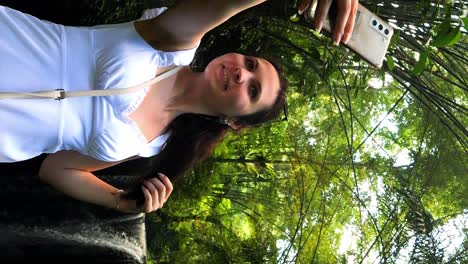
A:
(371, 35)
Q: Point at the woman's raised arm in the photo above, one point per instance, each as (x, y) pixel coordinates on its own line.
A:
(182, 26)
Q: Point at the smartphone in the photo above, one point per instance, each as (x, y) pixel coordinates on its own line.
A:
(371, 35)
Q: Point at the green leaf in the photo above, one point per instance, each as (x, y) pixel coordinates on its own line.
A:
(446, 35)
(455, 38)
(465, 22)
(442, 28)
(422, 63)
(394, 39)
(390, 63)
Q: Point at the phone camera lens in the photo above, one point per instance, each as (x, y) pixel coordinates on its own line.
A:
(380, 27)
(374, 22)
(386, 31)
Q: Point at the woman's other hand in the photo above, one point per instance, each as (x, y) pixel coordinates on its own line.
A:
(156, 192)
(344, 21)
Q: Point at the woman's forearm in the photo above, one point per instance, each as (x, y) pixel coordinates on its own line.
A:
(211, 13)
(237, 5)
(183, 26)
(70, 173)
(83, 186)
(242, 4)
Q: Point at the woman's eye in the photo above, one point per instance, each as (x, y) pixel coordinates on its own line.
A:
(253, 91)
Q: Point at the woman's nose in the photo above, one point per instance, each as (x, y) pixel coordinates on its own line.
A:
(239, 75)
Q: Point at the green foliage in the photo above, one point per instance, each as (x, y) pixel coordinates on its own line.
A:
(390, 63)
(422, 62)
(446, 35)
(465, 23)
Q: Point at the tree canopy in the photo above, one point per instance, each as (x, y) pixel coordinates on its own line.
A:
(370, 166)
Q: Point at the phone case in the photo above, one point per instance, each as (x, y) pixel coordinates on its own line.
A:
(371, 35)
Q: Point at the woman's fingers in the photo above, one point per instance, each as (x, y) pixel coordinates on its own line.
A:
(302, 6)
(348, 30)
(148, 207)
(156, 192)
(344, 8)
(151, 186)
(168, 185)
(321, 13)
(161, 192)
(344, 20)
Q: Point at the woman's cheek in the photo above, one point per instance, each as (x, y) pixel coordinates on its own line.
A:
(241, 105)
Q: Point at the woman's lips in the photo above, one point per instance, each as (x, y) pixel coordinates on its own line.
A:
(223, 77)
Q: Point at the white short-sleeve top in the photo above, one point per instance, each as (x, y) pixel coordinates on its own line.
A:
(40, 55)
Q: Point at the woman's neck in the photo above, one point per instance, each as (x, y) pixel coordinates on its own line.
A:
(175, 95)
(185, 95)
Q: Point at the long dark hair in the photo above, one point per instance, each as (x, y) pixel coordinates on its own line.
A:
(193, 138)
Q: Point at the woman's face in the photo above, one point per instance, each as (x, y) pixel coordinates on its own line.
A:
(240, 85)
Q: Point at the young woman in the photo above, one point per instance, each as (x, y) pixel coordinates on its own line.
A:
(180, 118)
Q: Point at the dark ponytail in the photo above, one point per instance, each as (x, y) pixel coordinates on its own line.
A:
(193, 138)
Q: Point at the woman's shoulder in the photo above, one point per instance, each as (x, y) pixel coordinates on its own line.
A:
(168, 58)
(162, 31)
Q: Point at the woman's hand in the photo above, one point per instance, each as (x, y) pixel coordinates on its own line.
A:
(156, 192)
(344, 21)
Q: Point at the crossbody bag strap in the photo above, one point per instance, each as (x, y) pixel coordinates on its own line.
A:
(61, 94)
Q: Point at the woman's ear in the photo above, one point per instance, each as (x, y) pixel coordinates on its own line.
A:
(233, 123)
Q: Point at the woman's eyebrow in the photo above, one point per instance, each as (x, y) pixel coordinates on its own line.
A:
(258, 83)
